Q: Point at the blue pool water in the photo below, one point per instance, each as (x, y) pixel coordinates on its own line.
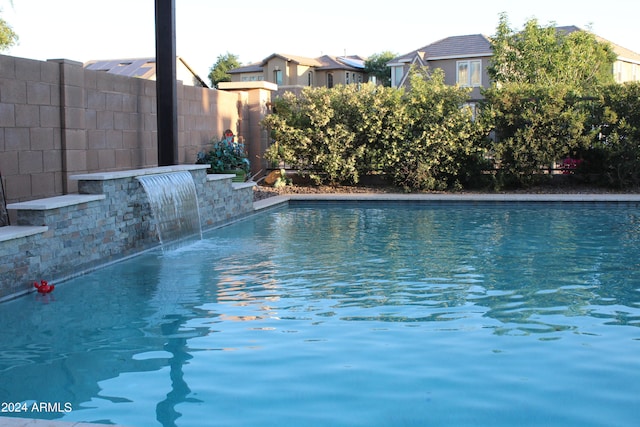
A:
(349, 315)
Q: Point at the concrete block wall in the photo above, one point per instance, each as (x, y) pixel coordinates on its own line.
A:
(30, 138)
(108, 220)
(58, 119)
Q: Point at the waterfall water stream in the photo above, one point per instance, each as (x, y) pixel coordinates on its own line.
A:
(174, 204)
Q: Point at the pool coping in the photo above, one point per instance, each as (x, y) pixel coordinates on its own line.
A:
(281, 200)
(34, 422)
(462, 197)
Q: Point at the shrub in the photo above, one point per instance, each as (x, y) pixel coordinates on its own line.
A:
(440, 136)
(420, 138)
(225, 155)
(535, 125)
(614, 157)
(334, 135)
(426, 138)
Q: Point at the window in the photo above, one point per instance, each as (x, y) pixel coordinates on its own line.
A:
(469, 73)
(310, 79)
(396, 75)
(330, 80)
(617, 71)
(347, 78)
(277, 77)
(251, 78)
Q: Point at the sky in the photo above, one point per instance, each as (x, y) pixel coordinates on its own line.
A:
(83, 30)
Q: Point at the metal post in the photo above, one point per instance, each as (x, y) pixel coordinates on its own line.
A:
(167, 111)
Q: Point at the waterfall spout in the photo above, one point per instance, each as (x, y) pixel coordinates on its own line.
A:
(174, 204)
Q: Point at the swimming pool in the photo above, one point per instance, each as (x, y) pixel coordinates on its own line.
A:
(349, 314)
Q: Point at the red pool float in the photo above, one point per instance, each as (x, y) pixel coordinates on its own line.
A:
(43, 287)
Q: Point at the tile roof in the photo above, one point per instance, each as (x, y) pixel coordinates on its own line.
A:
(480, 45)
(451, 47)
(352, 63)
(325, 62)
(301, 60)
(256, 67)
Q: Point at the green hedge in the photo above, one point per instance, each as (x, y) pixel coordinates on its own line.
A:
(613, 157)
(428, 137)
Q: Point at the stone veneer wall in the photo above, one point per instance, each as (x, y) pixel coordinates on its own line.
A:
(108, 220)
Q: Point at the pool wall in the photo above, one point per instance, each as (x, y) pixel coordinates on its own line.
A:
(107, 220)
(110, 219)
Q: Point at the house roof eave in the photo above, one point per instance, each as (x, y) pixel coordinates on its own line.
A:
(477, 55)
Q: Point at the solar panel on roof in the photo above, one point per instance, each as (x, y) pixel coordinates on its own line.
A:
(355, 63)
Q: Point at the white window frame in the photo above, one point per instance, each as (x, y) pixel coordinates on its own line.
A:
(397, 73)
(468, 80)
(617, 71)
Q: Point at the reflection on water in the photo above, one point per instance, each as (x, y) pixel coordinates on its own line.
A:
(173, 336)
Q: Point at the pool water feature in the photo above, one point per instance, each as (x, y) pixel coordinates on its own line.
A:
(350, 315)
(174, 203)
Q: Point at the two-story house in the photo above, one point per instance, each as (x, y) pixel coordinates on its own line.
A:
(292, 73)
(464, 60)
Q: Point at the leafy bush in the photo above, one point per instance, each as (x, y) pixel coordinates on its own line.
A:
(440, 136)
(419, 138)
(333, 135)
(613, 159)
(225, 155)
(535, 125)
(426, 138)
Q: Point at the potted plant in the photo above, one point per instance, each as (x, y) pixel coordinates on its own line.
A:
(226, 156)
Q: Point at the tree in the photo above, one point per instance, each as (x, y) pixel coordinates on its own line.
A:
(219, 71)
(541, 77)
(549, 56)
(535, 125)
(376, 66)
(8, 37)
(614, 156)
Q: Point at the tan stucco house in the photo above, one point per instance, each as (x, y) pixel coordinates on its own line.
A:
(464, 60)
(292, 73)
